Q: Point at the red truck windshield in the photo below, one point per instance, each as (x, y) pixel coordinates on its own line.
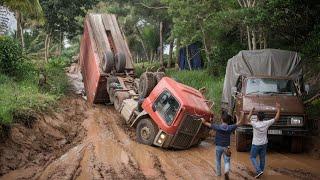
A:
(167, 106)
(270, 86)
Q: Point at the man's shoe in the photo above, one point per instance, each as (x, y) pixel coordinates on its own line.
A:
(226, 176)
(258, 175)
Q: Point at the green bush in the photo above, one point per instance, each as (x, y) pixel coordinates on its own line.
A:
(56, 77)
(139, 68)
(220, 55)
(11, 58)
(21, 96)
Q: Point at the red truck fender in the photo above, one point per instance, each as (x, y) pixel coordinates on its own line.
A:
(140, 116)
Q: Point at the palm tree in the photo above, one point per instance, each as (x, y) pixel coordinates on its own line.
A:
(23, 8)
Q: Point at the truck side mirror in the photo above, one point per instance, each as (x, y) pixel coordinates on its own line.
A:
(307, 88)
(234, 91)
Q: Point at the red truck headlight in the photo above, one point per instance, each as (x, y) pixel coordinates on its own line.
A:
(161, 138)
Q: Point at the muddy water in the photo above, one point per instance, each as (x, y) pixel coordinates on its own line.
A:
(81, 142)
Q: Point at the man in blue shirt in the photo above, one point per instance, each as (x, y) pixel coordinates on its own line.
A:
(222, 140)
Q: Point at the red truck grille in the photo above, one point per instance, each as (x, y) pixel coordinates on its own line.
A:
(187, 131)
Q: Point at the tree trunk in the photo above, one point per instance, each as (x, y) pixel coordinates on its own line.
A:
(161, 44)
(205, 44)
(188, 60)
(142, 43)
(249, 38)
(20, 29)
(264, 40)
(170, 54)
(254, 41)
(178, 52)
(46, 47)
(60, 44)
(151, 56)
(241, 35)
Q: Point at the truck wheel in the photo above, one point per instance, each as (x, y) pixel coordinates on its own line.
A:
(146, 131)
(241, 142)
(159, 76)
(120, 61)
(296, 144)
(147, 83)
(119, 97)
(108, 62)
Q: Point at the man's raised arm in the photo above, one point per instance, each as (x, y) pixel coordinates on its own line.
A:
(205, 122)
(277, 117)
(240, 120)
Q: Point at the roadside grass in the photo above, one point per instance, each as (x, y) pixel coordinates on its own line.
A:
(22, 95)
(201, 78)
(139, 68)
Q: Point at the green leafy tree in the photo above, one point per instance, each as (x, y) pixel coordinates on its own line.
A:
(62, 19)
(23, 9)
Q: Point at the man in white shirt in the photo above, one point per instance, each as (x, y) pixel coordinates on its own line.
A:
(260, 139)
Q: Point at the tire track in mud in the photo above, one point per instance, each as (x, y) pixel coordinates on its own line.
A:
(188, 164)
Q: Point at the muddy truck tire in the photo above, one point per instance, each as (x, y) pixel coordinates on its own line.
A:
(120, 62)
(146, 85)
(107, 62)
(146, 131)
(241, 142)
(159, 76)
(296, 144)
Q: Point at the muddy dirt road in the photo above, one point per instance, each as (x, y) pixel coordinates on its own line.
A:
(77, 141)
(104, 148)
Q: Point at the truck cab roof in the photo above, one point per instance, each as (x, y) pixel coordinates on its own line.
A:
(188, 97)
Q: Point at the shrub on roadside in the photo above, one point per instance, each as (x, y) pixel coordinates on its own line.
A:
(22, 95)
(11, 58)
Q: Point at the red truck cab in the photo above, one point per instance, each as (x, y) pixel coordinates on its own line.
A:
(176, 109)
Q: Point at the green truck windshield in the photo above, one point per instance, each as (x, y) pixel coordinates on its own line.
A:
(270, 86)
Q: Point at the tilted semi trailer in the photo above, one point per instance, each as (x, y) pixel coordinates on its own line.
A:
(164, 112)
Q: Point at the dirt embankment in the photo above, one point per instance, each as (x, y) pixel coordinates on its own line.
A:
(28, 150)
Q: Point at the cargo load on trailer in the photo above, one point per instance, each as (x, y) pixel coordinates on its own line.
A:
(164, 112)
(259, 79)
